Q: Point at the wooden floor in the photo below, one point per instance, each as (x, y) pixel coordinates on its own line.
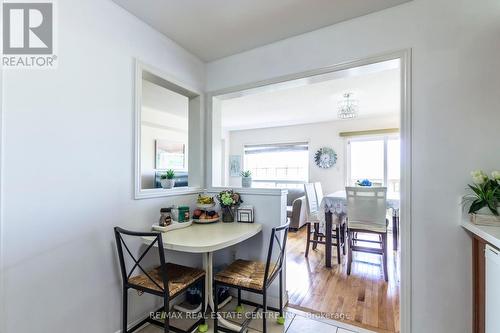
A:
(363, 299)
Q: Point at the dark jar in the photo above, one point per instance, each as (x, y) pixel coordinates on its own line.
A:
(165, 217)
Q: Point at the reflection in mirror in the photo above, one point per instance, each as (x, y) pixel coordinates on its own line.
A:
(164, 143)
(169, 135)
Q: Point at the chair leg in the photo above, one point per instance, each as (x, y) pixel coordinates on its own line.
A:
(239, 297)
(337, 235)
(203, 291)
(343, 237)
(264, 311)
(125, 310)
(350, 242)
(308, 238)
(384, 256)
(166, 327)
(315, 235)
(281, 294)
(216, 308)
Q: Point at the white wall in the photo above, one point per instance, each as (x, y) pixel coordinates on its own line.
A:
(456, 125)
(318, 135)
(68, 171)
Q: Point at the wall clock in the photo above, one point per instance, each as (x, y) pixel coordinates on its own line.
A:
(325, 157)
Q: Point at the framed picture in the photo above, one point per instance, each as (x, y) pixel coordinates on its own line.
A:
(234, 165)
(245, 214)
(169, 155)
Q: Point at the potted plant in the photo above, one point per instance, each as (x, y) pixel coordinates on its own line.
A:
(228, 200)
(167, 179)
(484, 200)
(246, 178)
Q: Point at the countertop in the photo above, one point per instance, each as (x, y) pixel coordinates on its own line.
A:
(489, 234)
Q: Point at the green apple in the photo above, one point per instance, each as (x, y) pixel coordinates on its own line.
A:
(280, 320)
(203, 328)
(240, 309)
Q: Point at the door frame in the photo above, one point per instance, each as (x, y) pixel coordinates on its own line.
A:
(405, 57)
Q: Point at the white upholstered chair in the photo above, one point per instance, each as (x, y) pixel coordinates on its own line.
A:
(366, 213)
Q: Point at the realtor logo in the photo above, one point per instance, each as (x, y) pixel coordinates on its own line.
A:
(28, 34)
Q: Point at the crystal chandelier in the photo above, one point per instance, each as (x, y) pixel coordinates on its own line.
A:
(348, 107)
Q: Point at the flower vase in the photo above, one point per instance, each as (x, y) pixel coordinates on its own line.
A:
(228, 214)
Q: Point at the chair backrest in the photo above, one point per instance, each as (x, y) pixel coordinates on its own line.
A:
(319, 192)
(367, 205)
(312, 201)
(281, 242)
(120, 235)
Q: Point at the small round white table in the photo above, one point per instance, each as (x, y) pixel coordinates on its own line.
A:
(206, 239)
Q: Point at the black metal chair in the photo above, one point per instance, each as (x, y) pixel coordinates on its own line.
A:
(167, 280)
(255, 277)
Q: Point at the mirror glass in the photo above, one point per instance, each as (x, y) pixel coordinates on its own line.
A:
(164, 127)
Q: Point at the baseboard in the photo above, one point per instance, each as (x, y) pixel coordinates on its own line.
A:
(157, 305)
(135, 322)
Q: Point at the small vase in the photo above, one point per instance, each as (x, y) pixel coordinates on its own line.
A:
(228, 214)
(246, 182)
(167, 183)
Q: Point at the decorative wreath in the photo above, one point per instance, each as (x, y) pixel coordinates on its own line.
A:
(325, 157)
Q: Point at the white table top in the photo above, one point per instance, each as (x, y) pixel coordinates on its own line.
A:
(488, 233)
(202, 238)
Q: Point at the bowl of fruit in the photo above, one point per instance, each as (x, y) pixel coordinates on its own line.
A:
(205, 216)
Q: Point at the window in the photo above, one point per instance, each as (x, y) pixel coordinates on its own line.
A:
(376, 159)
(278, 165)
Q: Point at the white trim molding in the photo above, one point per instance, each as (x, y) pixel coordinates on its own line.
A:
(2, 197)
(406, 156)
(196, 135)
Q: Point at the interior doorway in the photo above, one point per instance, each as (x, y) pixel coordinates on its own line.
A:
(373, 145)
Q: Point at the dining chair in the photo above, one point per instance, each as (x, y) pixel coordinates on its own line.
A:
(318, 189)
(255, 277)
(167, 280)
(313, 222)
(366, 213)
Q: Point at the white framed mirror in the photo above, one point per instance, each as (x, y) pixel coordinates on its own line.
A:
(168, 135)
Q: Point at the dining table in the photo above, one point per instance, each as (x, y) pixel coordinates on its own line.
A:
(205, 239)
(336, 204)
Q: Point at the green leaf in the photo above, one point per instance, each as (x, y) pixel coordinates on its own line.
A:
(493, 208)
(476, 205)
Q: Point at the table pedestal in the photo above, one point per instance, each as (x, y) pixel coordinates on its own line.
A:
(209, 296)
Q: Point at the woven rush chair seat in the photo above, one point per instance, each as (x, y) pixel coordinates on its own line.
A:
(244, 273)
(179, 278)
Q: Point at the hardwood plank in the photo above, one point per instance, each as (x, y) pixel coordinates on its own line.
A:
(364, 298)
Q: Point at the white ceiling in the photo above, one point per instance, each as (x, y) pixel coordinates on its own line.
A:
(376, 87)
(212, 29)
